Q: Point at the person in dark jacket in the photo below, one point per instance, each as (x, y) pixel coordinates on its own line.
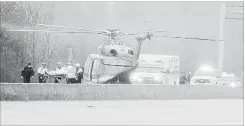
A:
(27, 73)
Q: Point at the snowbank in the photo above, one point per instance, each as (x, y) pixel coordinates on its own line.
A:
(21, 92)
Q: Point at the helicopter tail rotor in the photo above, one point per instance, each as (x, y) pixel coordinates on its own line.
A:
(149, 34)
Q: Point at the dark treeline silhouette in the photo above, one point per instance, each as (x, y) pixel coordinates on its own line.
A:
(19, 48)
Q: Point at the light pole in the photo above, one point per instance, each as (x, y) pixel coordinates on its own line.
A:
(70, 54)
(221, 36)
(222, 32)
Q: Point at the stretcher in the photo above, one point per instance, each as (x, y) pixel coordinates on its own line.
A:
(56, 77)
(53, 74)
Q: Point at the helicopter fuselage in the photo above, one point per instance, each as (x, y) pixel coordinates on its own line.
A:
(113, 63)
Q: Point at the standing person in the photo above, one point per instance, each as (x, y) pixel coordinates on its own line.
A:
(59, 72)
(182, 78)
(79, 73)
(65, 70)
(27, 73)
(70, 74)
(189, 77)
(42, 73)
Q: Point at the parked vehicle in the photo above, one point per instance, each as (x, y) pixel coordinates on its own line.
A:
(156, 69)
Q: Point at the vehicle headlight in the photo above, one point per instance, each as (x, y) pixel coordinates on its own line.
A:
(135, 77)
(233, 84)
(139, 79)
(192, 81)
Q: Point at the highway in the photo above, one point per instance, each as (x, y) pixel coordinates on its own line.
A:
(123, 112)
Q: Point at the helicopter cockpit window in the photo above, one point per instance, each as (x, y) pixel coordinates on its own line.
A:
(113, 52)
(95, 68)
(86, 68)
(130, 52)
(112, 67)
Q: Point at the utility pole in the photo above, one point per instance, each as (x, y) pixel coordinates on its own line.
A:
(222, 30)
(235, 10)
(221, 35)
(70, 54)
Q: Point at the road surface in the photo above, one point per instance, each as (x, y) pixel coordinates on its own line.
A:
(165, 112)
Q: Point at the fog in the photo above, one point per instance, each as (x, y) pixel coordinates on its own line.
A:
(198, 19)
(188, 19)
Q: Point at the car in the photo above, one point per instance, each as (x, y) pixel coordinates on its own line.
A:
(229, 79)
(206, 76)
(207, 80)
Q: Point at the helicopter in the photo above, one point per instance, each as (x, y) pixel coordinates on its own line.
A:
(114, 60)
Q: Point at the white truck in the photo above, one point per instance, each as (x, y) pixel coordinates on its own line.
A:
(157, 69)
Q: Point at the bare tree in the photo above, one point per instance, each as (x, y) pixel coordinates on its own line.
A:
(19, 48)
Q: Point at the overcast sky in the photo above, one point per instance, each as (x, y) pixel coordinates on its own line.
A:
(195, 19)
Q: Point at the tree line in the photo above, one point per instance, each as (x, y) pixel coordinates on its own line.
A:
(19, 48)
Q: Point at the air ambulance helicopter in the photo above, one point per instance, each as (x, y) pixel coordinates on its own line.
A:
(114, 60)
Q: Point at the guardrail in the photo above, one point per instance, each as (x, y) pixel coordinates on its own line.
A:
(33, 91)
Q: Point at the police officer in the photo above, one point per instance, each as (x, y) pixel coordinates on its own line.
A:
(42, 73)
(59, 72)
(27, 73)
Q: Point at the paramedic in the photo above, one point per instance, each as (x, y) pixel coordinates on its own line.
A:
(42, 73)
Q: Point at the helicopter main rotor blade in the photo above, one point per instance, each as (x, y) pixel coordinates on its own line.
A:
(190, 38)
(127, 33)
(158, 31)
(67, 27)
(139, 32)
(48, 31)
(59, 26)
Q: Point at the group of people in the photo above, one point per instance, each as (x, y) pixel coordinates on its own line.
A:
(185, 79)
(71, 74)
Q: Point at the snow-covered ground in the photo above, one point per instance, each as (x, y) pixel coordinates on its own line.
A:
(165, 112)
